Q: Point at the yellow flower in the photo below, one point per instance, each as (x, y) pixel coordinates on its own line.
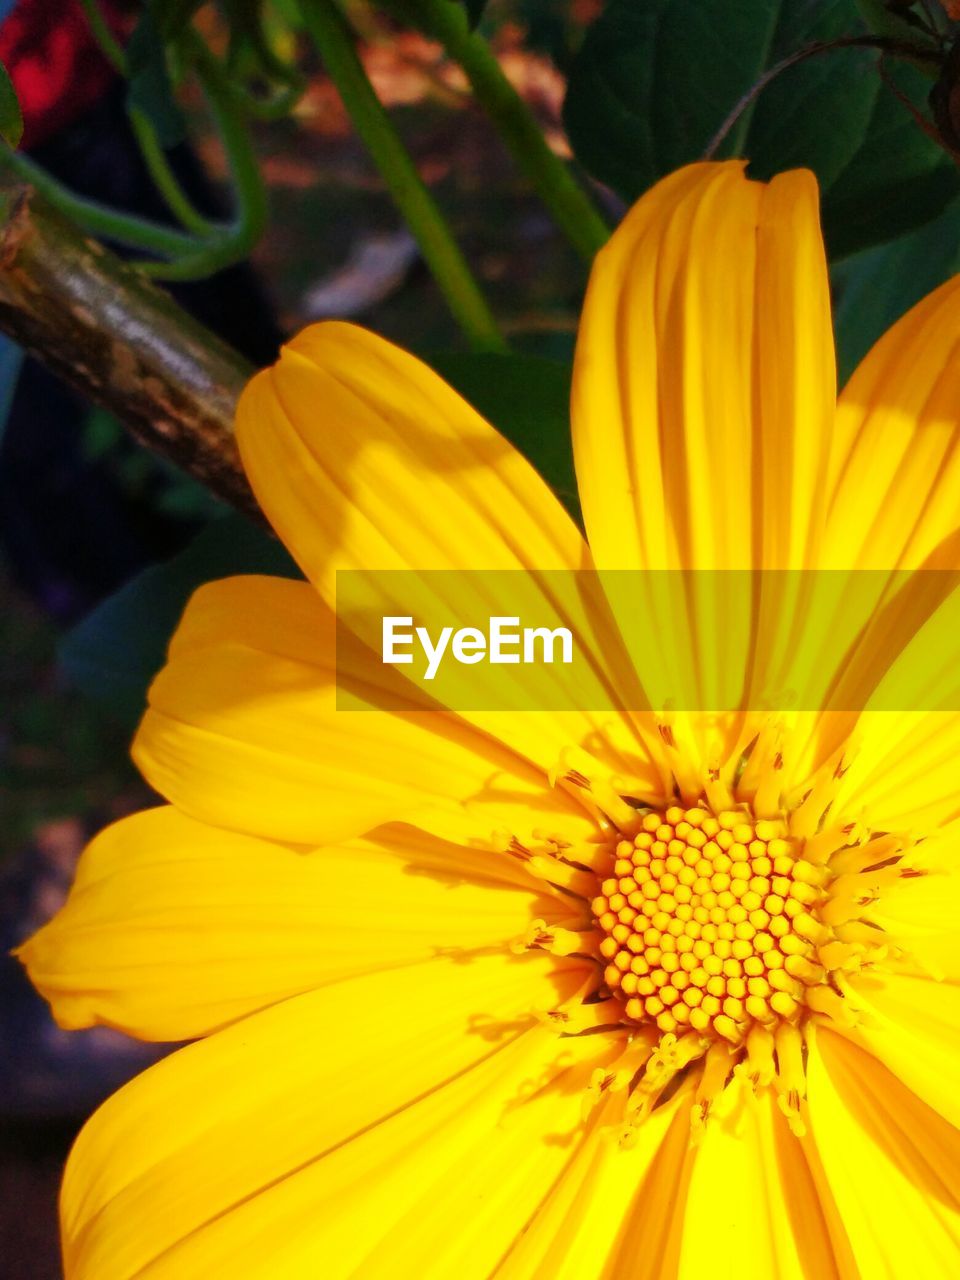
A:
(461, 1009)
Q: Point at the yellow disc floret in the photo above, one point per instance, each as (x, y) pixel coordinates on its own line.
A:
(709, 923)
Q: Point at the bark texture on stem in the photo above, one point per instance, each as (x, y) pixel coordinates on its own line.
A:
(123, 343)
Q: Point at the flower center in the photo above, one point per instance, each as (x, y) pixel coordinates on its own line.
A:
(709, 923)
(720, 926)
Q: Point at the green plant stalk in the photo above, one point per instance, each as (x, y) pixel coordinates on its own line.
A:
(109, 45)
(334, 42)
(230, 243)
(164, 178)
(153, 154)
(225, 104)
(571, 207)
(138, 233)
(225, 100)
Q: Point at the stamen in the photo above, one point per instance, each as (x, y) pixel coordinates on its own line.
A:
(807, 817)
(720, 1061)
(790, 1080)
(555, 939)
(760, 781)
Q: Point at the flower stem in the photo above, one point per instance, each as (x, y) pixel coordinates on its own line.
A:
(334, 41)
(110, 47)
(226, 107)
(163, 176)
(133, 232)
(122, 228)
(571, 207)
(212, 245)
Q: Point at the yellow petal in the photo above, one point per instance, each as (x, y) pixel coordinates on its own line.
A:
(614, 1212)
(453, 1200)
(903, 774)
(900, 687)
(440, 1188)
(175, 928)
(894, 498)
(894, 495)
(895, 465)
(920, 912)
(365, 460)
(244, 732)
(911, 1024)
(703, 402)
(884, 1156)
(242, 1154)
(363, 457)
(752, 1211)
(704, 376)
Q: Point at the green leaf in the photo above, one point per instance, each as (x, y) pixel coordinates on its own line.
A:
(527, 398)
(654, 82)
(149, 89)
(11, 118)
(898, 181)
(101, 432)
(873, 289)
(816, 114)
(114, 653)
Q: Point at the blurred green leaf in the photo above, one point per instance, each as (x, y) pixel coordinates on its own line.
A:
(653, 83)
(873, 289)
(149, 88)
(11, 118)
(101, 433)
(58, 756)
(114, 653)
(527, 398)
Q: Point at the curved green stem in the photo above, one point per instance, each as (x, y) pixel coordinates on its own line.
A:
(109, 45)
(164, 178)
(205, 246)
(225, 107)
(137, 233)
(571, 207)
(334, 41)
(153, 153)
(226, 244)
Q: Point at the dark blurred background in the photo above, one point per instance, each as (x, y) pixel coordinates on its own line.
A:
(84, 510)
